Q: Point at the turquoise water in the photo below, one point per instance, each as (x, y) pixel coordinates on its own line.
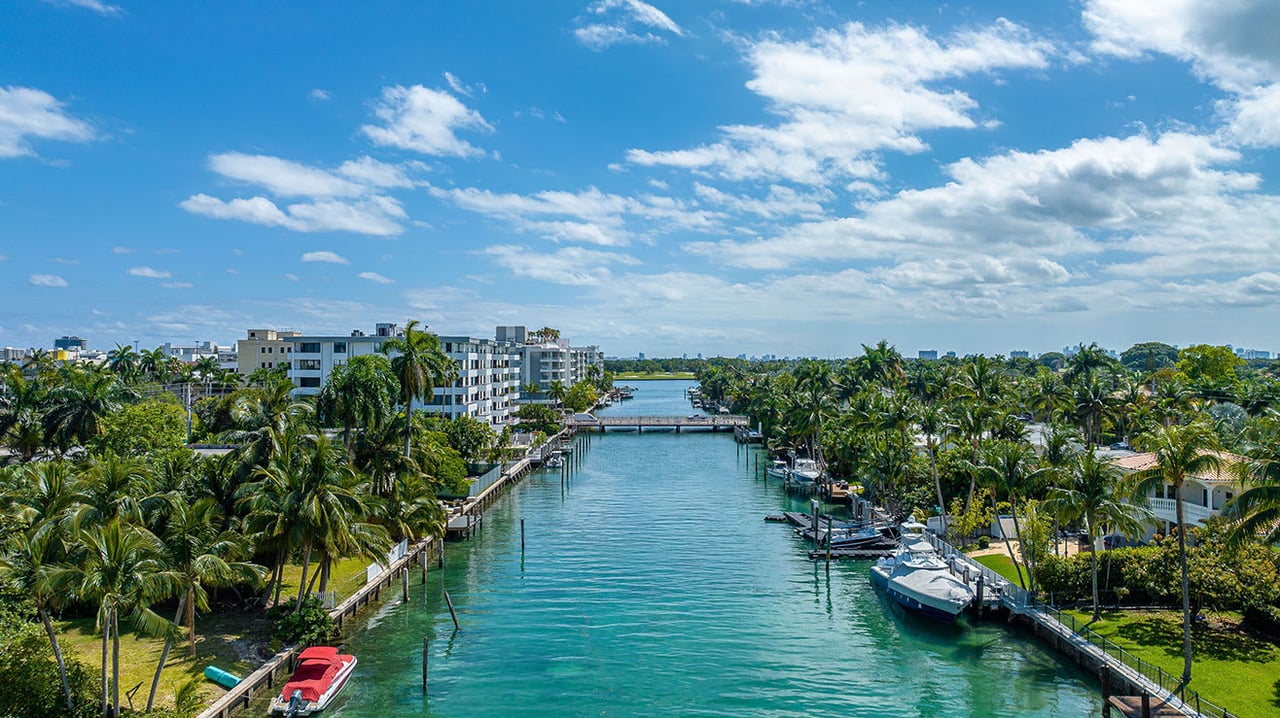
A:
(650, 585)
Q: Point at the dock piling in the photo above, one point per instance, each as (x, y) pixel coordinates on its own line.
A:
(425, 653)
(452, 613)
(522, 535)
(813, 503)
(404, 584)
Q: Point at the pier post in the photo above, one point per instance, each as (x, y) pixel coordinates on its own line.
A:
(425, 653)
(451, 611)
(404, 584)
(522, 535)
(813, 503)
(979, 592)
(1146, 705)
(828, 541)
(1106, 690)
(422, 561)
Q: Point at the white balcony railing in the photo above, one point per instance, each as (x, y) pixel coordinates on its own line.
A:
(1165, 510)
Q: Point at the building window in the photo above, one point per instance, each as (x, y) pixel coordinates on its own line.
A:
(309, 382)
(309, 364)
(309, 347)
(339, 347)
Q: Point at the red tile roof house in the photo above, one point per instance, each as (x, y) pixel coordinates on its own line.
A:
(1203, 495)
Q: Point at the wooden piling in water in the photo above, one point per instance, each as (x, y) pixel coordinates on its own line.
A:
(452, 613)
(426, 646)
(404, 584)
(522, 535)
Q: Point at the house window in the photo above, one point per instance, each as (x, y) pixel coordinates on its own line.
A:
(309, 347)
(312, 364)
(339, 347)
(309, 382)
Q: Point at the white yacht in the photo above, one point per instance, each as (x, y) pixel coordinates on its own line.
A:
(916, 577)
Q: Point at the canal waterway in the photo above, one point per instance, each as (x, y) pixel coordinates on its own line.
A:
(650, 585)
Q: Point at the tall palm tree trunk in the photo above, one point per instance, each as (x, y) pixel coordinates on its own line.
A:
(106, 638)
(1022, 548)
(1093, 567)
(1007, 546)
(164, 655)
(115, 661)
(408, 428)
(279, 574)
(1186, 590)
(57, 654)
(302, 582)
(937, 485)
(191, 618)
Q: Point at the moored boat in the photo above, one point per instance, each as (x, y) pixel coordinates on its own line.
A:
(805, 471)
(917, 578)
(777, 470)
(321, 674)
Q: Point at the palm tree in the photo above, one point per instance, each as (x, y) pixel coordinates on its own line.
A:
(557, 392)
(813, 404)
(1180, 452)
(120, 571)
(112, 487)
(1009, 470)
(421, 366)
(78, 404)
(153, 363)
(123, 361)
(361, 392)
(412, 510)
(1091, 499)
(199, 555)
(1091, 404)
(933, 424)
(1255, 512)
(40, 500)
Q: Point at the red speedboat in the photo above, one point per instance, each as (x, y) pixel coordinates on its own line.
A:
(320, 674)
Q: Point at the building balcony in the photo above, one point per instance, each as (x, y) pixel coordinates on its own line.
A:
(1166, 510)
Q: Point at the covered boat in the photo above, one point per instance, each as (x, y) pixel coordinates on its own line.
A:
(917, 578)
(320, 674)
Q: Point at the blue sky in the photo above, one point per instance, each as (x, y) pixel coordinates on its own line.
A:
(715, 176)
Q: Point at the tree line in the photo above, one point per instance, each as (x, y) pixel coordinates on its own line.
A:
(952, 438)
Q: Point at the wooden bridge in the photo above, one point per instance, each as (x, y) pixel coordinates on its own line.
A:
(710, 422)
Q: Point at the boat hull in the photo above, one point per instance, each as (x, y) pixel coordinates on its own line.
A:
(280, 705)
(933, 607)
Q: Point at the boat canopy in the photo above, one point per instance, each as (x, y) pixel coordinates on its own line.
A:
(317, 667)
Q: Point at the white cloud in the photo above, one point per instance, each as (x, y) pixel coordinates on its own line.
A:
(324, 256)
(292, 277)
(122, 250)
(378, 216)
(177, 285)
(373, 173)
(424, 120)
(376, 278)
(1231, 44)
(621, 18)
(590, 216)
(29, 114)
(281, 177)
(463, 88)
(150, 273)
(319, 95)
(567, 265)
(97, 6)
(47, 280)
(346, 200)
(844, 95)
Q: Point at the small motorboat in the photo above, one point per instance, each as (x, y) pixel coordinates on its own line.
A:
(554, 461)
(320, 674)
(777, 470)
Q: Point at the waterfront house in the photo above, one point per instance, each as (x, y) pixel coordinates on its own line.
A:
(1203, 495)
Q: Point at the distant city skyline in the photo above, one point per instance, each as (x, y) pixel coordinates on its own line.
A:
(791, 177)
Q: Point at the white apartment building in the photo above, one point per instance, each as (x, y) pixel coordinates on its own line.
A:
(486, 387)
(546, 362)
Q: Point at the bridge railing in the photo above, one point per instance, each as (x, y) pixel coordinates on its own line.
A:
(707, 420)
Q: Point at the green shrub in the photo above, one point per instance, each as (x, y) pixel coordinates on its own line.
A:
(984, 542)
(309, 625)
(1265, 620)
(32, 687)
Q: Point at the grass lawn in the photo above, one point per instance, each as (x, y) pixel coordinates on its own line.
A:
(226, 641)
(1230, 668)
(1001, 564)
(651, 376)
